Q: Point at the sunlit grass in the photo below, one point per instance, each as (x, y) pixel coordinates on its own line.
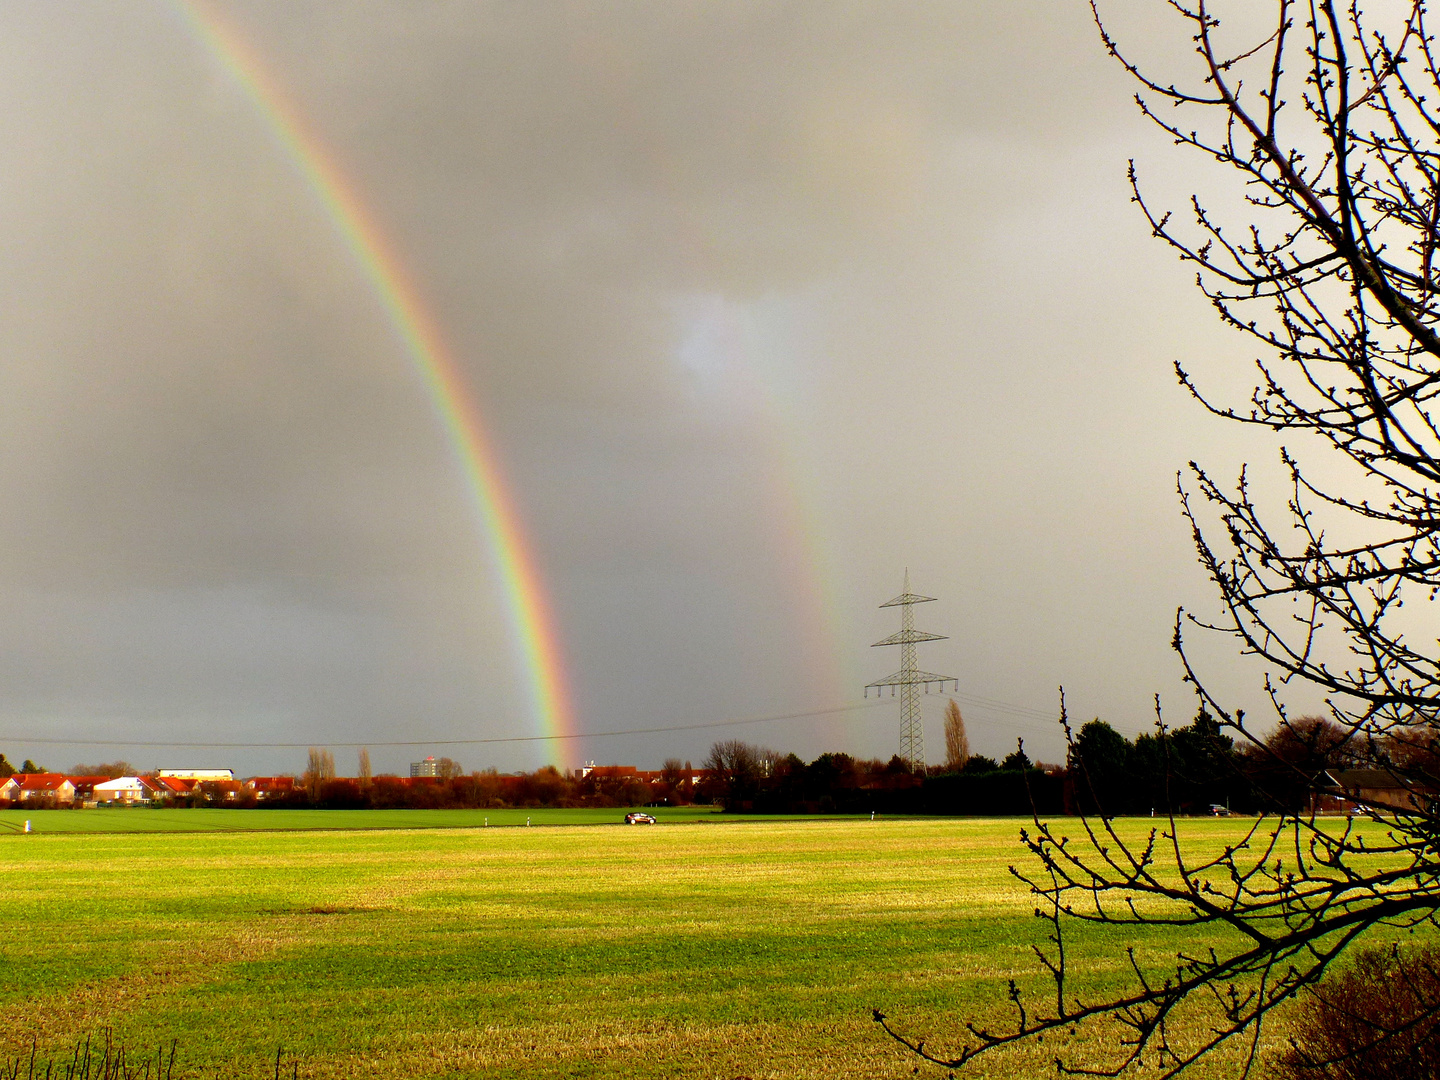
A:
(219, 819)
(754, 948)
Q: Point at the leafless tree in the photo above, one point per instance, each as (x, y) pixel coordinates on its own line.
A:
(768, 760)
(364, 773)
(1328, 129)
(448, 769)
(675, 775)
(111, 769)
(733, 770)
(319, 767)
(957, 743)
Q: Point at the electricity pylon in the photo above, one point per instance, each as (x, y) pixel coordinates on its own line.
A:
(909, 678)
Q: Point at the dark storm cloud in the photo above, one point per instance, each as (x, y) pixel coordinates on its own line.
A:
(229, 507)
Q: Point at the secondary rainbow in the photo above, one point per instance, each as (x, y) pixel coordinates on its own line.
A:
(425, 345)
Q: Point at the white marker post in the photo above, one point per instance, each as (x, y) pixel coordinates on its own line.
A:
(27, 824)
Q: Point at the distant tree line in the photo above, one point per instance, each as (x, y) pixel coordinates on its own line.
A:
(488, 789)
(1186, 770)
(748, 779)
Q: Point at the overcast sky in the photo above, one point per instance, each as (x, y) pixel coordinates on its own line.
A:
(762, 302)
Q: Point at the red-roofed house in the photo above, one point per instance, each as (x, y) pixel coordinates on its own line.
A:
(85, 786)
(220, 791)
(613, 772)
(54, 787)
(170, 787)
(272, 787)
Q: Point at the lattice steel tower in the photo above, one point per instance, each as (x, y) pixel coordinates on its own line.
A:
(909, 678)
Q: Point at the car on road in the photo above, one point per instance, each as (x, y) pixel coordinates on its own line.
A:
(1216, 810)
(638, 818)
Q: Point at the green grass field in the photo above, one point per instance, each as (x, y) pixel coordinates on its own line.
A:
(165, 820)
(743, 948)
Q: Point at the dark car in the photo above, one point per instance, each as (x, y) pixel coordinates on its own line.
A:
(637, 818)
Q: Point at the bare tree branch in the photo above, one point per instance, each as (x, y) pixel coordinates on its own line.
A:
(1328, 128)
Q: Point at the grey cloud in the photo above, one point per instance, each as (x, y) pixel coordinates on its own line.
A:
(228, 504)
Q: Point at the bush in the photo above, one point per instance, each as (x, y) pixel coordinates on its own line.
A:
(1379, 1019)
(342, 794)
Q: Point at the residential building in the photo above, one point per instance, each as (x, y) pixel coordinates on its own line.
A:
(23, 787)
(271, 787)
(197, 774)
(220, 791)
(85, 787)
(128, 789)
(1379, 789)
(171, 786)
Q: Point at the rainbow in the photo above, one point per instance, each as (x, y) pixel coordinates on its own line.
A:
(493, 506)
(751, 338)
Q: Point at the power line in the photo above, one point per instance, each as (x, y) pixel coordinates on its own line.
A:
(854, 707)
(1011, 723)
(1018, 714)
(1022, 711)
